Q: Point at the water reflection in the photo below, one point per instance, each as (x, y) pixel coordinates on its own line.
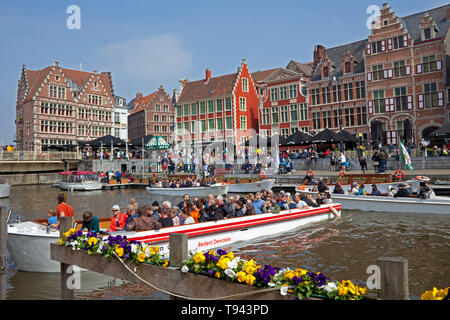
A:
(340, 249)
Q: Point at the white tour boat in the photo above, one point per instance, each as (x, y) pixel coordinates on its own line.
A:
(29, 242)
(215, 190)
(4, 190)
(251, 187)
(79, 181)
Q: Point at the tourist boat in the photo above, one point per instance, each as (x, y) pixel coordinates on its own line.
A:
(4, 190)
(251, 187)
(215, 190)
(79, 181)
(29, 242)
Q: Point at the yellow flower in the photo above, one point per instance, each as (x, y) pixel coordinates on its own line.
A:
(300, 272)
(217, 275)
(166, 263)
(141, 257)
(250, 279)
(92, 241)
(61, 241)
(363, 291)
(223, 263)
(212, 253)
(250, 267)
(289, 274)
(241, 276)
(230, 255)
(154, 250)
(434, 294)
(119, 251)
(199, 257)
(342, 290)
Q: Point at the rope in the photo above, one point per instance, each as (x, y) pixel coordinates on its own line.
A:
(190, 298)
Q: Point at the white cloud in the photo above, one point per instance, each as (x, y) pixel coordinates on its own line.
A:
(145, 63)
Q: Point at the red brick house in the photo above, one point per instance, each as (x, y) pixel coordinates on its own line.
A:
(151, 115)
(406, 63)
(59, 107)
(217, 108)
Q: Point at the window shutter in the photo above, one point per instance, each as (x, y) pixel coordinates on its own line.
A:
(390, 44)
(388, 136)
(408, 70)
(368, 49)
(394, 137)
(383, 45)
(370, 104)
(392, 104)
(405, 40)
(419, 68)
(421, 102)
(385, 74)
(439, 65)
(369, 76)
(387, 104)
(410, 102)
(390, 73)
(441, 98)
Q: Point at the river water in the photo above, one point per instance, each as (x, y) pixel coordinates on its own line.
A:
(341, 249)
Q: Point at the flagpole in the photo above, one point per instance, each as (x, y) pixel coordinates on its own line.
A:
(143, 159)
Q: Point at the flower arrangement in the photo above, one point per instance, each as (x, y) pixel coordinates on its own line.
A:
(302, 283)
(435, 294)
(92, 243)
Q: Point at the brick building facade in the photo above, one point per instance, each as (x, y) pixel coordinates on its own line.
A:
(59, 107)
(151, 115)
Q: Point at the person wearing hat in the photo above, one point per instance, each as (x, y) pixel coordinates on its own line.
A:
(90, 222)
(354, 189)
(156, 211)
(375, 191)
(403, 191)
(118, 220)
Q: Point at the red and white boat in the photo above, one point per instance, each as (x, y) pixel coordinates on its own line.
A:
(29, 242)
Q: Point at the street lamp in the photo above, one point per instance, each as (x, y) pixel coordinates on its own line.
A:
(334, 78)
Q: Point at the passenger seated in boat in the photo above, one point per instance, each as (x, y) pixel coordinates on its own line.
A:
(228, 208)
(118, 220)
(195, 211)
(258, 203)
(403, 191)
(361, 191)
(90, 222)
(187, 216)
(338, 189)
(308, 180)
(156, 210)
(354, 190)
(299, 203)
(322, 187)
(375, 191)
(52, 220)
(143, 221)
(166, 220)
(239, 208)
(63, 209)
(425, 192)
(249, 209)
(272, 206)
(392, 192)
(131, 213)
(309, 200)
(175, 218)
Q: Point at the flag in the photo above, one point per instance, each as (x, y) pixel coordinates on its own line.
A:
(406, 159)
(101, 155)
(126, 152)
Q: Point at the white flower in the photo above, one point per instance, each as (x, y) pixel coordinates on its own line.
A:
(134, 248)
(271, 285)
(230, 273)
(284, 290)
(184, 269)
(233, 264)
(330, 287)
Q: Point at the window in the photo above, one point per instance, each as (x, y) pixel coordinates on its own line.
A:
(347, 67)
(203, 124)
(210, 106)
(315, 96)
(274, 94)
(179, 111)
(242, 103)
(360, 90)
(157, 107)
(427, 33)
(193, 126)
(228, 123)
(294, 112)
(275, 115)
(245, 84)
(379, 102)
(156, 118)
(285, 132)
(186, 110)
(293, 91)
(361, 116)
(348, 91)
(284, 111)
(219, 124)
(325, 72)
(350, 117)
(327, 119)
(283, 93)
(52, 91)
(431, 95)
(376, 47)
(399, 69)
(401, 99)
(202, 107)
(326, 98)
(266, 116)
(429, 64)
(186, 126)
(243, 123)
(399, 42)
(193, 109)
(219, 105)
(227, 104)
(377, 72)
(316, 120)
(211, 124)
(303, 111)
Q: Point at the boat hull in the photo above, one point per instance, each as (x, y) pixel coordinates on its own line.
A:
(215, 190)
(87, 186)
(251, 187)
(5, 190)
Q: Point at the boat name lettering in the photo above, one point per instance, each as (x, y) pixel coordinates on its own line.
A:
(213, 242)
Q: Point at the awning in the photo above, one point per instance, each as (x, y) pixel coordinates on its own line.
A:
(157, 143)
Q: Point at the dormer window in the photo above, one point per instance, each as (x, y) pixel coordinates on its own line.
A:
(326, 72)
(427, 33)
(347, 67)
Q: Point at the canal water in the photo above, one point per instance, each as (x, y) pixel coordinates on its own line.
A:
(341, 249)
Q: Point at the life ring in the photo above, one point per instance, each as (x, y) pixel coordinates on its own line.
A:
(342, 175)
(310, 173)
(302, 188)
(423, 178)
(262, 174)
(399, 174)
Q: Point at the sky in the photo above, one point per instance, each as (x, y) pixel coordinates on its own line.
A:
(148, 43)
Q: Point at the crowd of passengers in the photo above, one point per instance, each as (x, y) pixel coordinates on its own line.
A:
(183, 183)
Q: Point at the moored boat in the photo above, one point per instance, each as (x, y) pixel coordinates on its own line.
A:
(215, 190)
(252, 186)
(29, 242)
(79, 181)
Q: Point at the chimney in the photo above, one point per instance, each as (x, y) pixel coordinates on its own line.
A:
(207, 75)
(56, 64)
(138, 96)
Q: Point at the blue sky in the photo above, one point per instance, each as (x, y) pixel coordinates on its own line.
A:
(149, 43)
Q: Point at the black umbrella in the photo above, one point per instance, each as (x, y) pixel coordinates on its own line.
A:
(281, 140)
(347, 137)
(326, 136)
(407, 132)
(107, 141)
(297, 139)
(443, 132)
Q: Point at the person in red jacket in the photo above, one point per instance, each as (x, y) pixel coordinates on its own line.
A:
(118, 220)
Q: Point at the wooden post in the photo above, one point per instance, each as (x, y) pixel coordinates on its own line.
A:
(394, 279)
(178, 249)
(3, 248)
(66, 292)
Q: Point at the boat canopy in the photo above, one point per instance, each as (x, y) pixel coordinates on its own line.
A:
(76, 173)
